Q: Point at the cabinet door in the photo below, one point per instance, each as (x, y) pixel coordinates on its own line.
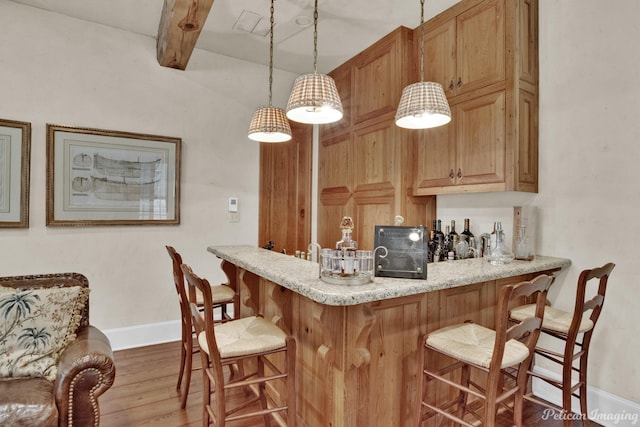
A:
(335, 184)
(436, 157)
(285, 191)
(379, 76)
(480, 150)
(440, 55)
(480, 34)
(342, 77)
(376, 179)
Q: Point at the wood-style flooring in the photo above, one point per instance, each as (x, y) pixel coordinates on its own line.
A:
(144, 393)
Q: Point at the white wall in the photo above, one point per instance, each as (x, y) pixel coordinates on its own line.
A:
(589, 190)
(65, 71)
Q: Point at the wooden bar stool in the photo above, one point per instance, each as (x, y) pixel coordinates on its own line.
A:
(222, 296)
(269, 350)
(568, 327)
(508, 347)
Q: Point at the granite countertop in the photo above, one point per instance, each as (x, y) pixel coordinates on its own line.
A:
(302, 276)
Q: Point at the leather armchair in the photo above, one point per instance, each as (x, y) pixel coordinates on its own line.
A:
(85, 370)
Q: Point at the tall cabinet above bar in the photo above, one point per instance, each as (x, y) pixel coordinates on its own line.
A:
(485, 55)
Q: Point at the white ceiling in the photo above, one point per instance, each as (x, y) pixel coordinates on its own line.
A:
(345, 27)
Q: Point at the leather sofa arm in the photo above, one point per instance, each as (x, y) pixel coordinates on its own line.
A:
(85, 370)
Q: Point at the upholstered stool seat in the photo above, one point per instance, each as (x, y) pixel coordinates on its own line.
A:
(248, 335)
(554, 319)
(473, 343)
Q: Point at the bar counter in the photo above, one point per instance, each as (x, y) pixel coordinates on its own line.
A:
(302, 276)
(356, 358)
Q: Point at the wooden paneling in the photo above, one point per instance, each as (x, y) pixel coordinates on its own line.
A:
(285, 191)
(358, 365)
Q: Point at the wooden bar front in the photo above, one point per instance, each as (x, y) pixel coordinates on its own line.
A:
(357, 364)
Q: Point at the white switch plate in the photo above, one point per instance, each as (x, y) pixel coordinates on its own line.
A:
(234, 217)
(233, 204)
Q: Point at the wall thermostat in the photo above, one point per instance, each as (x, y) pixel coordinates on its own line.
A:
(233, 204)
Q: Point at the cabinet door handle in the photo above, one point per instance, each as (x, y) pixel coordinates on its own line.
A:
(459, 173)
(451, 175)
(459, 81)
(451, 85)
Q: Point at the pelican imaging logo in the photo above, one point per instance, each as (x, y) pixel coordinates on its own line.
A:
(622, 418)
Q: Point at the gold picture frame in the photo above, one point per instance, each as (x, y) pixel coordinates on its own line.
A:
(107, 177)
(15, 160)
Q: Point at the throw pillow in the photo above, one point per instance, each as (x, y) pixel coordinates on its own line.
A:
(35, 326)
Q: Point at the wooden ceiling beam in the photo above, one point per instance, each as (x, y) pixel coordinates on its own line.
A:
(180, 26)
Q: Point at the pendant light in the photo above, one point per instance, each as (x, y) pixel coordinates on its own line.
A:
(270, 124)
(314, 98)
(423, 105)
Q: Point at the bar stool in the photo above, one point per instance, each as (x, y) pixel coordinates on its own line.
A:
(508, 347)
(232, 344)
(568, 327)
(222, 295)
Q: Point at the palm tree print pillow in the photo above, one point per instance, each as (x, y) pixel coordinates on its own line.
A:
(35, 326)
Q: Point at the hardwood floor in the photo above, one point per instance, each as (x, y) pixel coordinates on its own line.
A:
(144, 393)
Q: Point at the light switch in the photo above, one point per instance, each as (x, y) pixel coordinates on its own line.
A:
(233, 204)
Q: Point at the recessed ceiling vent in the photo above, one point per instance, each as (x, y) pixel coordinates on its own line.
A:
(251, 22)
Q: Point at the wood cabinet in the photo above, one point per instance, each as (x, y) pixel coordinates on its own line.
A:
(484, 53)
(465, 46)
(364, 161)
(285, 191)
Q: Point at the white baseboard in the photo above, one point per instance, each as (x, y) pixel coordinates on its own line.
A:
(143, 335)
(604, 408)
(149, 334)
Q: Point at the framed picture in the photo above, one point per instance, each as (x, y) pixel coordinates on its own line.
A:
(15, 155)
(105, 177)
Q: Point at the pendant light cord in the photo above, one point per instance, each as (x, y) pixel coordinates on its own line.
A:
(421, 40)
(315, 38)
(271, 54)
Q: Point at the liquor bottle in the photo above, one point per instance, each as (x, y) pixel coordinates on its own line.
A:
(466, 231)
(346, 243)
(500, 253)
(439, 230)
(438, 254)
(452, 231)
(431, 245)
(493, 236)
(453, 238)
(347, 247)
(447, 241)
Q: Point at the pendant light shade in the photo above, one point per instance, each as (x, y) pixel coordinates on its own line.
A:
(270, 124)
(314, 97)
(423, 105)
